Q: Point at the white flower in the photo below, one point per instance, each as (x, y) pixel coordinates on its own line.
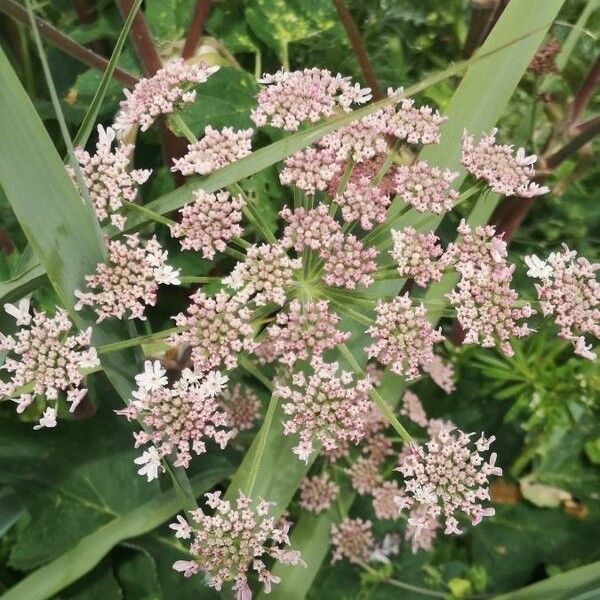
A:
(23, 401)
(48, 419)
(181, 528)
(167, 275)
(153, 377)
(214, 383)
(581, 349)
(21, 312)
(538, 268)
(75, 396)
(187, 567)
(524, 160)
(150, 461)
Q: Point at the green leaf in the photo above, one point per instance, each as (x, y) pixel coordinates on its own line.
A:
(592, 449)
(225, 99)
(168, 19)
(577, 584)
(11, 509)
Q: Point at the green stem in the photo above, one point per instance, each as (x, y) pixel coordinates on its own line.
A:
(153, 216)
(402, 584)
(353, 314)
(246, 364)
(387, 163)
(137, 341)
(179, 127)
(235, 254)
(386, 411)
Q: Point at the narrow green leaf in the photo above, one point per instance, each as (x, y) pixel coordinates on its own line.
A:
(55, 576)
(582, 583)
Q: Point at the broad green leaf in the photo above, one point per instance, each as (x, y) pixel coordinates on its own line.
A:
(582, 583)
(168, 20)
(230, 28)
(476, 105)
(10, 509)
(136, 574)
(225, 99)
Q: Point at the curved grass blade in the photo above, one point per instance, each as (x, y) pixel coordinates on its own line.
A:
(89, 119)
(46, 581)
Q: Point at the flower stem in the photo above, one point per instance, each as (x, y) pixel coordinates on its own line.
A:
(385, 410)
(254, 370)
(198, 279)
(137, 341)
(153, 216)
(387, 163)
(402, 584)
(179, 127)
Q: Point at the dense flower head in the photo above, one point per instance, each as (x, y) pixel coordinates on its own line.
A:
(165, 91)
(348, 263)
(506, 174)
(361, 140)
(208, 223)
(107, 176)
(402, 336)
(317, 493)
(129, 280)
(421, 528)
(413, 409)
(426, 188)
(325, 405)
(365, 171)
(242, 407)
(290, 98)
(378, 447)
(310, 170)
(231, 543)
(415, 125)
(179, 418)
(485, 308)
(352, 539)
(216, 149)
(265, 274)
(448, 476)
(363, 203)
(308, 229)
(570, 293)
(416, 255)
(306, 329)
(384, 500)
(543, 61)
(364, 475)
(46, 353)
(441, 373)
(217, 329)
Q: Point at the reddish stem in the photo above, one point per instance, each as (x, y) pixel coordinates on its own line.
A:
(359, 48)
(65, 43)
(201, 12)
(483, 13)
(585, 92)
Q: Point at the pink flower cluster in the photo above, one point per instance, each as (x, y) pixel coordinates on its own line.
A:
(178, 418)
(403, 338)
(242, 407)
(352, 539)
(306, 330)
(421, 528)
(413, 409)
(364, 475)
(317, 493)
(308, 229)
(217, 329)
(291, 98)
(215, 150)
(129, 281)
(229, 544)
(265, 274)
(417, 254)
(483, 298)
(210, 222)
(348, 263)
(323, 405)
(310, 170)
(384, 500)
(363, 203)
(506, 174)
(167, 90)
(446, 477)
(441, 373)
(426, 188)
(569, 292)
(107, 177)
(415, 125)
(45, 353)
